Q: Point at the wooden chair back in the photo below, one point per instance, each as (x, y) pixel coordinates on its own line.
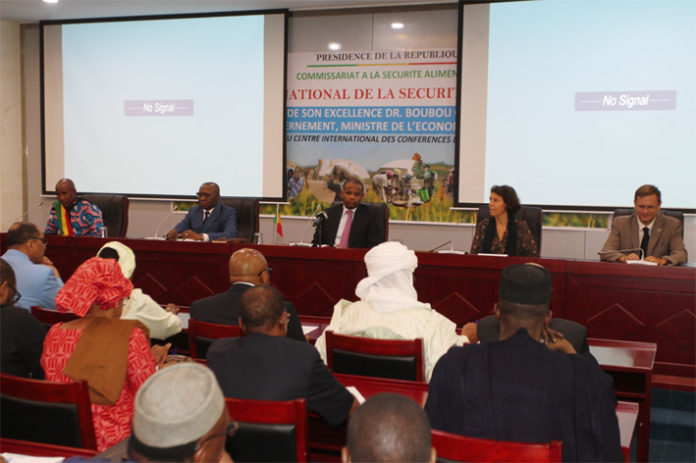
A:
(46, 411)
(202, 334)
(456, 448)
(48, 317)
(382, 358)
(284, 423)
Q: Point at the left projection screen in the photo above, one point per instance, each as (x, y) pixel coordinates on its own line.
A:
(154, 107)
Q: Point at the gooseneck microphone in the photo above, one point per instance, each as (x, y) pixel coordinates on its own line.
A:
(174, 209)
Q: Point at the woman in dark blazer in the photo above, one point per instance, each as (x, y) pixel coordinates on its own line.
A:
(502, 232)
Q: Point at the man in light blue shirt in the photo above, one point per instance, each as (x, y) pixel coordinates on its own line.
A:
(38, 281)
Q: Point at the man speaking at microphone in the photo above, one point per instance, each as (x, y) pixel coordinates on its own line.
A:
(210, 220)
(351, 224)
(72, 216)
(658, 236)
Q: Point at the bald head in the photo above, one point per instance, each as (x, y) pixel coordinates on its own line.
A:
(248, 265)
(389, 428)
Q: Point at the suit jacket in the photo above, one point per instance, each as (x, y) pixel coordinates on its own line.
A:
(223, 308)
(488, 329)
(518, 390)
(666, 240)
(366, 231)
(222, 222)
(262, 367)
(21, 343)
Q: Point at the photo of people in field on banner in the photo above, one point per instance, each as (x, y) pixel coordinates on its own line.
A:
(386, 118)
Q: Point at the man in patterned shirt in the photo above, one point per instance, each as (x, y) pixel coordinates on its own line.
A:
(72, 216)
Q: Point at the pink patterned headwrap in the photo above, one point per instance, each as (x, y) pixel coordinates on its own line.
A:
(96, 281)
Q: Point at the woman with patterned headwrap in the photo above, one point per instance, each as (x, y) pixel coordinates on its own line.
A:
(113, 355)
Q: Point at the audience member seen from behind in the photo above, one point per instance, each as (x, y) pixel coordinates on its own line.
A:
(389, 428)
(265, 365)
(22, 336)
(351, 224)
(389, 307)
(180, 415)
(113, 355)
(529, 386)
(247, 268)
(656, 236)
(71, 216)
(162, 323)
(210, 220)
(38, 280)
(502, 232)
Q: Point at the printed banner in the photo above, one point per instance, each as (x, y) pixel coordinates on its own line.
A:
(386, 118)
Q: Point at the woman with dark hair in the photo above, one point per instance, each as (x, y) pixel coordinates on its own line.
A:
(502, 232)
(113, 355)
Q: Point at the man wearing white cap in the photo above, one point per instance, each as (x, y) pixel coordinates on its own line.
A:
(180, 415)
(389, 308)
(139, 306)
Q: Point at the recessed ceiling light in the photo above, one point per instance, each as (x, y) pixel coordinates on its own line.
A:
(334, 46)
(50, 1)
(397, 25)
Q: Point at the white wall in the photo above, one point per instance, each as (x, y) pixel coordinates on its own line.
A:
(433, 26)
(11, 172)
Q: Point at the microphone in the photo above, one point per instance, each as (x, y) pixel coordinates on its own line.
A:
(21, 217)
(639, 250)
(312, 219)
(320, 216)
(442, 245)
(174, 209)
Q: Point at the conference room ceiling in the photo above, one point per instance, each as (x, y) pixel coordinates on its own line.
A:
(31, 11)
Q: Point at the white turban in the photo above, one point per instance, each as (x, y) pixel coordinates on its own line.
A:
(126, 258)
(389, 283)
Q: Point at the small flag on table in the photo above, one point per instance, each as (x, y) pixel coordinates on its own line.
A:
(277, 221)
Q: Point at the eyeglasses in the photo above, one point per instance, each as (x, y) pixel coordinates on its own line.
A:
(267, 269)
(43, 240)
(17, 295)
(229, 432)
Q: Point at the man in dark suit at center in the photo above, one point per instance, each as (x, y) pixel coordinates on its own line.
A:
(248, 268)
(210, 220)
(351, 224)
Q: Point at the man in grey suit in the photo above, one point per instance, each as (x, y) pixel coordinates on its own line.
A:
(658, 236)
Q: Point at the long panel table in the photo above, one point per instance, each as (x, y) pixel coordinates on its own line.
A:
(616, 301)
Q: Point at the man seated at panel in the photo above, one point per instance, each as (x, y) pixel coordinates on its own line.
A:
(210, 220)
(38, 281)
(389, 428)
(22, 336)
(389, 307)
(71, 216)
(162, 323)
(180, 415)
(265, 365)
(529, 386)
(247, 268)
(351, 224)
(657, 237)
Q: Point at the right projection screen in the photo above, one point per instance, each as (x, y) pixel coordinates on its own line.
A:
(576, 103)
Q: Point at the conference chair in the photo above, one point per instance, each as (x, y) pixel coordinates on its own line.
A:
(202, 334)
(534, 217)
(380, 209)
(676, 214)
(456, 448)
(247, 216)
(268, 430)
(45, 411)
(381, 358)
(48, 317)
(114, 212)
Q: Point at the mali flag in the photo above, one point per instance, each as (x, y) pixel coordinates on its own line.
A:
(277, 221)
